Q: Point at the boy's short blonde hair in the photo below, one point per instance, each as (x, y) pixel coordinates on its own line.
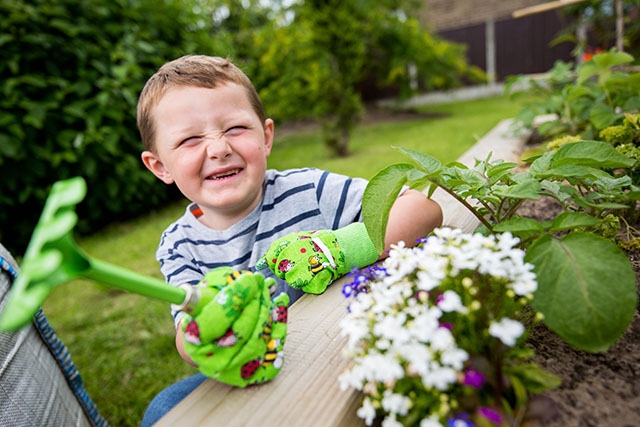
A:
(190, 70)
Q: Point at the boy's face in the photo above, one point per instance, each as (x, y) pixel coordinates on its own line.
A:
(212, 145)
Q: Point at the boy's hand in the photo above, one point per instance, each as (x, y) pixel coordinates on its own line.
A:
(237, 335)
(311, 261)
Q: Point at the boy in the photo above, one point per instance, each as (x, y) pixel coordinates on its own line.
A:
(204, 129)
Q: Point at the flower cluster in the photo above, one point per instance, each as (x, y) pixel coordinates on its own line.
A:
(436, 333)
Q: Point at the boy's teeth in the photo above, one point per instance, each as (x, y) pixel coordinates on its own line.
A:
(224, 175)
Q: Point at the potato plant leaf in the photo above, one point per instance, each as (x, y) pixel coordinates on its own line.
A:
(587, 289)
(379, 196)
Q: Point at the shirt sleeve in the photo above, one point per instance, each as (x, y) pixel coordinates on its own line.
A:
(340, 198)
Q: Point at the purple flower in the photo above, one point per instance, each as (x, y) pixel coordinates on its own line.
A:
(473, 378)
(447, 325)
(490, 414)
(360, 278)
(460, 420)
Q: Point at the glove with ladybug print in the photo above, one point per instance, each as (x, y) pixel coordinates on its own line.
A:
(236, 334)
(311, 261)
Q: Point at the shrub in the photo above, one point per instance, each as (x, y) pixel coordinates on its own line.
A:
(584, 99)
(70, 74)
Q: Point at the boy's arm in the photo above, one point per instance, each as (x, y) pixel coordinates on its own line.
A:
(312, 260)
(412, 216)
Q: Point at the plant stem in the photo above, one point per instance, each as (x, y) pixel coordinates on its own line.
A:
(469, 207)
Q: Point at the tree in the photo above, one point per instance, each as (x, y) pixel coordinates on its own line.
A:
(313, 63)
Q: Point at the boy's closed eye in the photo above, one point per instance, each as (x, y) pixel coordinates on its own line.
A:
(191, 140)
(235, 130)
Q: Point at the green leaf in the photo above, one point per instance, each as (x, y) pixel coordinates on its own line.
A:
(9, 146)
(590, 153)
(586, 289)
(519, 225)
(497, 171)
(529, 189)
(541, 164)
(571, 220)
(602, 116)
(573, 171)
(379, 196)
(535, 379)
(611, 59)
(428, 163)
(531, 154)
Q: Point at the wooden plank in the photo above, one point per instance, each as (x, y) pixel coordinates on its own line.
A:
(543, 7)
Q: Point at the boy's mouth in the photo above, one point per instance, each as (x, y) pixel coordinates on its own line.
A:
(223, 175)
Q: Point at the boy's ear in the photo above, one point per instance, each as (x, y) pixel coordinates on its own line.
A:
(155, 165)
(269, 134)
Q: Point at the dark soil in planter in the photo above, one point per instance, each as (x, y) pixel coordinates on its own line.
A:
(597, 389)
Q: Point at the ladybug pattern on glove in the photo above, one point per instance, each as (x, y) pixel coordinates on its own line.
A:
(280, 314)
(192, 333)
(229, 339)
(249, 368)
(285, 265)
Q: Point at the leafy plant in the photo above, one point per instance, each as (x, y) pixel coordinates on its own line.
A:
(587, 287)
(584, 99)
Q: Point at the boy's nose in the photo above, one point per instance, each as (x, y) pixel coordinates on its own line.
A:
(218, 147)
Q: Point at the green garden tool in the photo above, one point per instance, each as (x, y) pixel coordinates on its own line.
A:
(53, 257)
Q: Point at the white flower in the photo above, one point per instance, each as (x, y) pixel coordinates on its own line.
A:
(391, 327)
(432, 421)
(356, 328)
(390, 421)
(417, 355)
(442, 339)
(425, 324)
(451, 302)
(525, 283)
(507, 330)
(351, 378)
(454, 357)
(381, 367)
(439, 377)
(367, 411)
(395, 403)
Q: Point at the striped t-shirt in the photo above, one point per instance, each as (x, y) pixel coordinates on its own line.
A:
(293, 200)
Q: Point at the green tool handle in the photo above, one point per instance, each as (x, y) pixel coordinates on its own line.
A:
(131, 281)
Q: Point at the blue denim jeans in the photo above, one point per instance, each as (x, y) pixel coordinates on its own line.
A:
(170, 397)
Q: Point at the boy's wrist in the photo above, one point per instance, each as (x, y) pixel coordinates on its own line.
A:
(356, 245)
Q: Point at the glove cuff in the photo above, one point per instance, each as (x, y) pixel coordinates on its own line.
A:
(357, 246)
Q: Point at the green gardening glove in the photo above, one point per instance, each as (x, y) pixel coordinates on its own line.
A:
(311, 261)
(236, 334)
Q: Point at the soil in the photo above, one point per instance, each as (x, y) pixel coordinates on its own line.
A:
(597, 390)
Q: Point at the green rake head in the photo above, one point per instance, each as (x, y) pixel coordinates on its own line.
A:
(52, 258)
(49, 259)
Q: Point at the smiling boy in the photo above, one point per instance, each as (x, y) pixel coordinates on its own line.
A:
(204, 129)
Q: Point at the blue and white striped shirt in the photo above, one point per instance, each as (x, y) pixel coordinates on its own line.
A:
(293, 200)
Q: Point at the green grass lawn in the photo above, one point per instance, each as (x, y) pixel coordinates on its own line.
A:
(123, 344)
